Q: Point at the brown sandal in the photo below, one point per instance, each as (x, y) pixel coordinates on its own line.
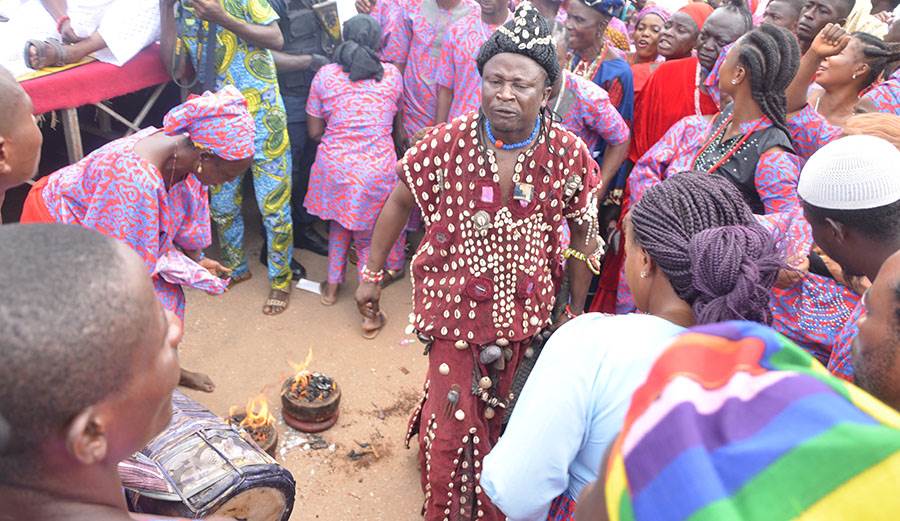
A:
(277, 302)
(42, 57)
(370, 334)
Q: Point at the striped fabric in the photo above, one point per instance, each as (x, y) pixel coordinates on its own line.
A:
(735, 422)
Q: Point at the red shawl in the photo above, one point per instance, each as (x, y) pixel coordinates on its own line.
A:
(667, 97)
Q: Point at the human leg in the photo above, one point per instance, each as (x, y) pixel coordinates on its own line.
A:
(272, 184)
(303, 152)
(225, 209)
(455, 430)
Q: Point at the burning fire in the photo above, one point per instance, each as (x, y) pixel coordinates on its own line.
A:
(309, 385)
(302, 375)
(256, 414)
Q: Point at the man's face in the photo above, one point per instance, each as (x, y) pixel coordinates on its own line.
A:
(781, 13)
(876, 365)
(827, 237)
(513, 90)
(490, 7)
(20, 148)
(679, 36)
(721, 28)
(816, 14)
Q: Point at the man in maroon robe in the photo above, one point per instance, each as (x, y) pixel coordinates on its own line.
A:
(496, 189)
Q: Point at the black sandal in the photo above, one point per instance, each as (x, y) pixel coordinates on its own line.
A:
(41, 53)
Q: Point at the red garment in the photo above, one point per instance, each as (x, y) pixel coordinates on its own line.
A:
(35, 210)
(641, 72)
(497, 282)
(486, 272)
(667, 97)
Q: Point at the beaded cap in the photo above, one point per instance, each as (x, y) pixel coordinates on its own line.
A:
(527, 34)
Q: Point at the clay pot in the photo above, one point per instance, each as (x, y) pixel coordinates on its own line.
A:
(269, 434)
(310, 417)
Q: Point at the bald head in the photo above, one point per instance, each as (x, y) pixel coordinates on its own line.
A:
(75, 307)
(13, 101)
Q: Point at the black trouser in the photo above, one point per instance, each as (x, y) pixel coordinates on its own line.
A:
(303, 154)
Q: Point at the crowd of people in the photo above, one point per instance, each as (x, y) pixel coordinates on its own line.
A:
(655, 252)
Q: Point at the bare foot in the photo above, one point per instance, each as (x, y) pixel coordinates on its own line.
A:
(196, 381)
(277, 302)
(329, 293)
(371, 327)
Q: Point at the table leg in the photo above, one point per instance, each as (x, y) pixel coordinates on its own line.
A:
(72, 132)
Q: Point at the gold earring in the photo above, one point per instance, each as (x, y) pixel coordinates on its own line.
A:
(200, 166)
(643, 274)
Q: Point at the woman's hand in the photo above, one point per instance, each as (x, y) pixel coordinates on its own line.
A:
(830, 41)
(364, 6)
(215, 267)
(791, 276)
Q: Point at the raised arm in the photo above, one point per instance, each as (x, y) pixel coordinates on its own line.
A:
(831, 40)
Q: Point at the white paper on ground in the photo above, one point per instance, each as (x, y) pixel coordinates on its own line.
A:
(309, 285)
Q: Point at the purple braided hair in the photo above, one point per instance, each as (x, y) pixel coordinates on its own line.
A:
(699, 231)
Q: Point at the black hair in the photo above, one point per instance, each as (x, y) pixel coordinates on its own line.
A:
(878, 54)
(740, 7)
(771, 55)
(70, 323)
(878, 224)
(703, 236)
(795, 5)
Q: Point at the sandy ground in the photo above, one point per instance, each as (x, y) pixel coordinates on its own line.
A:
(246, 353)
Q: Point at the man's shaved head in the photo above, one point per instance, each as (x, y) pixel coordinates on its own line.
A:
(75, 306)
(20, 138)
(13, 100)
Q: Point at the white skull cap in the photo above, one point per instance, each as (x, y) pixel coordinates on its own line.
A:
(852, 173)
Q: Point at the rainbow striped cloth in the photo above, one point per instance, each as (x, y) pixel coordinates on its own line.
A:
(735, 422)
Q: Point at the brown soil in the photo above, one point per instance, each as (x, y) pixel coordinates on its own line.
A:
(246, 353)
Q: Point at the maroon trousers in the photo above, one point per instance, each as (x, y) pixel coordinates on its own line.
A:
(456, 428)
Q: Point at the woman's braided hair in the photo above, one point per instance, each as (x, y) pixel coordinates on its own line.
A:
(877, 54)
(771, 55)
(699, 231)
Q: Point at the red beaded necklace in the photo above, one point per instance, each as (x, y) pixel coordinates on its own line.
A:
(718, 134)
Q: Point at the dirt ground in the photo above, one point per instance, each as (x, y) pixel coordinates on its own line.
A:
(247, 353)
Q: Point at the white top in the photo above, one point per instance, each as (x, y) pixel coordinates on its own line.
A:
(571, 409)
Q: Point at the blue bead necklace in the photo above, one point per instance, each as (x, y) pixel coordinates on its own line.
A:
(513, 146)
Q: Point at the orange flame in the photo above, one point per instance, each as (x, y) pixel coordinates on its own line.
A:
(256, 414)
(301, 376)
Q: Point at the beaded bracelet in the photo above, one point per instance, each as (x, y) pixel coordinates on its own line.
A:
(373, 277)
(568, 311)
(592, 263)
(60, 22)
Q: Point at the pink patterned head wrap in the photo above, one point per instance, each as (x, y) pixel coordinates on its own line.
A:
(664, 14)
(216, 121)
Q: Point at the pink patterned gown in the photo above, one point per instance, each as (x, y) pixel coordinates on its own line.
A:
(457, 69)
(354, 172)
(418, 31)
(119, 194)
